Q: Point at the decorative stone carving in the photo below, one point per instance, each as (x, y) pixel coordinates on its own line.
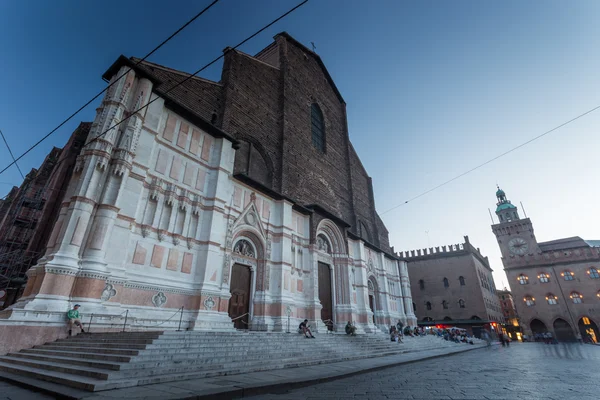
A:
(189, 243)
(229, 239)
(209, 303)
(145, 230)
(161, 235)
(226, 261)
(244, 248)
(159, 299)
(323, 244)
(251, 218)
(175, 240)
(108, 292)
(370, 286)
(371, 265)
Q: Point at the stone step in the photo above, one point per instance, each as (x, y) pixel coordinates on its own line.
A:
(194, 346)
(58, 367)
(100, 350)
(113, 360)
(90, 362)
(75, 354)
(78, 382)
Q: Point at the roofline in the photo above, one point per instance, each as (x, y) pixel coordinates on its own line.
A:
(317, 57)
(170, 102)
(124, 61)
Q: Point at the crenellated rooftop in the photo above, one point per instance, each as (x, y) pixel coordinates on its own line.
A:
(451, 250)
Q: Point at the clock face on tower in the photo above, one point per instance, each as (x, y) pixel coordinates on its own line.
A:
(518, 246)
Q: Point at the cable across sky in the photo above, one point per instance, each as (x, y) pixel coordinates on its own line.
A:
(205, 9)
(492, 159)
(174, 86)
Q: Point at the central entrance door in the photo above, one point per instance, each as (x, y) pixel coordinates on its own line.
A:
(325, 294)
(239, 304)
(372, 305)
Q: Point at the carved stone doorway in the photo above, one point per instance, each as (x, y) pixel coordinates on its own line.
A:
(325, 294)
(239, 304)
(372, 306)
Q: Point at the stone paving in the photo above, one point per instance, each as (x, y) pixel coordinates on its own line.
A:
(521, 371)
(12, 392)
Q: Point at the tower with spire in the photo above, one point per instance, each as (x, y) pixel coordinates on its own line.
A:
(505, 210)
(515, 235)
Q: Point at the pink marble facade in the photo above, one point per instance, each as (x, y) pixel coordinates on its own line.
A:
(161, 162)
(139, 257)
(158, 253)
(170, 128)
(186, 267)
(173, 260)
(195, 143)
(183, 135)
(201, 179)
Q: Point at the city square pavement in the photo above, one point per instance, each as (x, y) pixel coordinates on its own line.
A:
(521, 371)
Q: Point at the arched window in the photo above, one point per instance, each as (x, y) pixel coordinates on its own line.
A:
(523, 279)
(593, 273)
(421, 284)
(551, 299)
(461, 303)
(317, 127)
(544, 277)
(364, 232)
(568, 275)
(446, 283)
(576, 297)
(428, 305)
(461, 279)
(529, 301)
(445, 305)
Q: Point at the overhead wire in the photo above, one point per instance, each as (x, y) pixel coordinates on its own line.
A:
(190, 76)
(184, 80)
(111, 84)
(492, 159)
(11, 154)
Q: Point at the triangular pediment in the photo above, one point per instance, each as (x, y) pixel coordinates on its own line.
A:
(250, 218)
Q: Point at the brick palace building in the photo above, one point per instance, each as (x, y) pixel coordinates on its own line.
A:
(240, 200)
(555, 284)
(453, 286)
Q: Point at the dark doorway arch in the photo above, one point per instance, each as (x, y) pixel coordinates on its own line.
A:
(589, 330)
(427, 319)
(239, 303)
(563, 331)
(325, 294)
(475, 317)
(538, 326)
(447, 319)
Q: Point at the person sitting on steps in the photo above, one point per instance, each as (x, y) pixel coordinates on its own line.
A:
(350, 329)
(73, 316)
(305, 328)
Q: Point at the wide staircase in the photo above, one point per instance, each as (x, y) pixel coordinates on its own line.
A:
(105, 361)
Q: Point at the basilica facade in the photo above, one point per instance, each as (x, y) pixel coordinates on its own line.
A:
(231, 204)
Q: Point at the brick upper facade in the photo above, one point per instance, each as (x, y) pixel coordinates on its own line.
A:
(264, 102)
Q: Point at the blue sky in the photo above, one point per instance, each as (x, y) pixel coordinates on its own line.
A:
(433, 89)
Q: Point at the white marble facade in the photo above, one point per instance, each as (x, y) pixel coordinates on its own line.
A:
(154, 221)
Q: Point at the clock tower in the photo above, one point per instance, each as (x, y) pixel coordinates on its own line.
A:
(515, 235)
